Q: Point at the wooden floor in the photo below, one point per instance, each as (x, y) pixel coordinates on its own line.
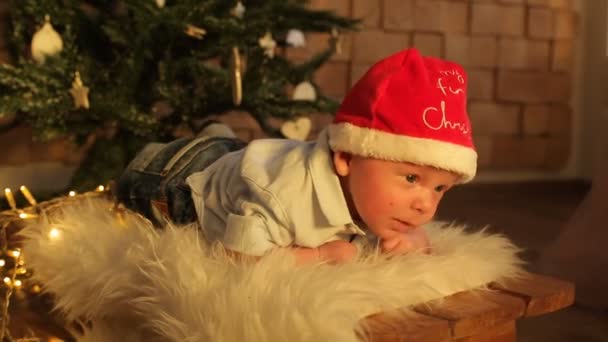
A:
(532, 215)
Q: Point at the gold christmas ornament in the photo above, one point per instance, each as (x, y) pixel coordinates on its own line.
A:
(297, 129)
(80, 93)
(235, 75)
(46, 41)
(238, 10)
(195, 32)
(304, 91)
(268, 44)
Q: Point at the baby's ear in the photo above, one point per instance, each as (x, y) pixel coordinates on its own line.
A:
(342, 163)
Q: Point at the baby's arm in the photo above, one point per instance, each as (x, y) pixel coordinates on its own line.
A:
(334, 252)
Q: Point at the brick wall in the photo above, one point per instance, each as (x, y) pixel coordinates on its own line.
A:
(518, 54)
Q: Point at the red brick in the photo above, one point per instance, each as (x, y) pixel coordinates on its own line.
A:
(455, 17)
(4, 56)
(536, 119)
(488, 118)
(483, 52)
(483, 145)
(368, 11)
(515, 53)
(511, 152)
(540, 23)
(474, 51)
(340, 7)
(371, 46)
(16, 146)
(357, 71)
(496, 19)
(333, 79)
(481, 84)
(560, 120)
(429, 44)
(320, 121)
(457, 48)
(537, 87)
(566, 4)
(398, 14)
(428, 15)
(239, 120)
(558, 152)
(562, 57)
(564, 25)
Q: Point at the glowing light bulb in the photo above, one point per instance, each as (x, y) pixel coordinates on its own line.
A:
(18, 283)
(72, 193)
(2, 262)
(101, 188)
(7, 280)
(14, 253)
(54, 233)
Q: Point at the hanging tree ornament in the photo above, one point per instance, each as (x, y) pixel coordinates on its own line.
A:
(296, 38)
(195, 32)
(336, 40)
(160, 3)
(297, 129)
(268, 44)
(235, 76)
(304, 91)
(46, 41)
(238, 10)
(80, 93)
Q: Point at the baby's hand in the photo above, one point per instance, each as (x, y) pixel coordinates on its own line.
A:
(337, 252)
(414, 240)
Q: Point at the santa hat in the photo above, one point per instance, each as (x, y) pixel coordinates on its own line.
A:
(409, 108)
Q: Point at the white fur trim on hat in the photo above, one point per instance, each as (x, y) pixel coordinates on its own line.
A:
(371, 143)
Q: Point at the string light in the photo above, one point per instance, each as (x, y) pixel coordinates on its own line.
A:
(54, 233)
(18, 283)
(15, 253)
(100, 188)
(28, 195)
(7, 280)
(8, 194)
(2, 262)
(72, 193)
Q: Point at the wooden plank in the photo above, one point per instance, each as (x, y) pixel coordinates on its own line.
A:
(405, 326)
(503, 332)
(473, 312)
(542, 294)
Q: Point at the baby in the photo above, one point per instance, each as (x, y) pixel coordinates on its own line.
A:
(400, 139)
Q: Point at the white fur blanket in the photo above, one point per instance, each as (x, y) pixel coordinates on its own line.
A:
(135, 283)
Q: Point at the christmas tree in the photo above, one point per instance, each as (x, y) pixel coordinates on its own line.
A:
(124, 73)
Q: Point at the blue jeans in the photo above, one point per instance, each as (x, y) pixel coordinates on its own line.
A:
(155, 178)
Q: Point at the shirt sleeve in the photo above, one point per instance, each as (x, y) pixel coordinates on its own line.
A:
(255, 230)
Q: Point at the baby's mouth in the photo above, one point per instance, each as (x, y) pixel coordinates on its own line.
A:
(403, 226)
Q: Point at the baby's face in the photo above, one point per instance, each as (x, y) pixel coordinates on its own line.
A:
(394, 197)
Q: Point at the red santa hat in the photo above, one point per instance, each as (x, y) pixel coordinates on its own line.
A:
(409, 108)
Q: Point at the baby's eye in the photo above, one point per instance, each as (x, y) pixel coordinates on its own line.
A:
(440, 188)
(411, 178)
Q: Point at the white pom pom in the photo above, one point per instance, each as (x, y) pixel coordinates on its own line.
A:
(304, 91)
(296, 38)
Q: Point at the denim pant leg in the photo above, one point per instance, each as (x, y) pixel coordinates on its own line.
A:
(141, 180)
(149, 177)
(179, 197)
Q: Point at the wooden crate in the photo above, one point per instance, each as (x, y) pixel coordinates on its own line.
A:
(474, 316)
